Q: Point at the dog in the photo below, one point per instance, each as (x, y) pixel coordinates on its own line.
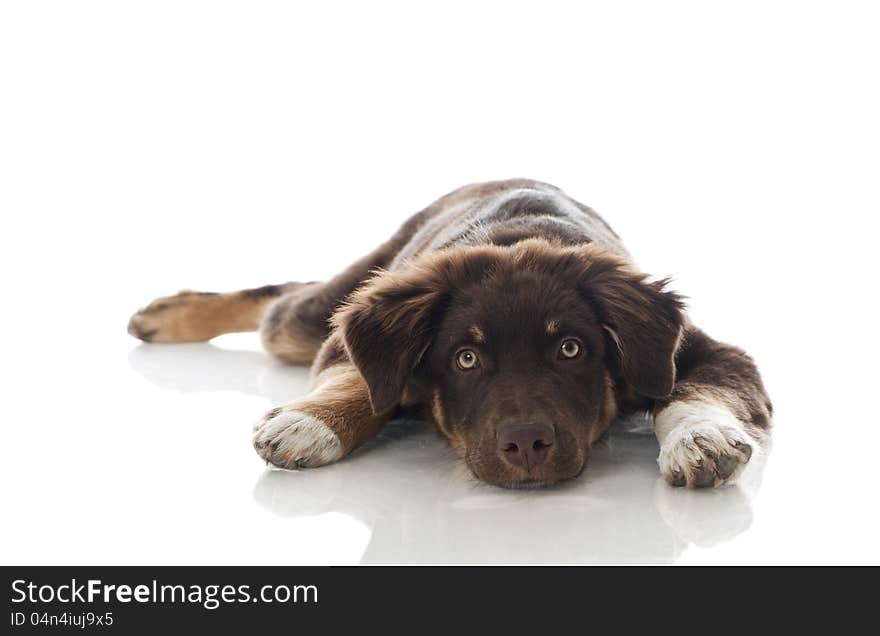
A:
(512, 317)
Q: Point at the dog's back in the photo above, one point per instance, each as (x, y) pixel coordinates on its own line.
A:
(503, 213)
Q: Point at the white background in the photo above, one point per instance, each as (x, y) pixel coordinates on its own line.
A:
(147, 147)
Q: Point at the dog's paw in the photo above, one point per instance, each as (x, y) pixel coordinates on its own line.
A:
(292, 439)
(703, 446)
(179, 318)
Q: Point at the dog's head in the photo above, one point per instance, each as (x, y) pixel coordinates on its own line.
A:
(517, 351)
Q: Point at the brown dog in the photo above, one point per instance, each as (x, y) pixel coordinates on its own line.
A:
(511, 316)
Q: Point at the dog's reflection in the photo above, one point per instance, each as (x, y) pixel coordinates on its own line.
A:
(205, 367)
(423, 507)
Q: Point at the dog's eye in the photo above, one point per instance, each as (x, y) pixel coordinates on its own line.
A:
(569, 349)
(466, 359)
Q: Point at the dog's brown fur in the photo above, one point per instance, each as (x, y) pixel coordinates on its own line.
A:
(198, 316)
(508, 269)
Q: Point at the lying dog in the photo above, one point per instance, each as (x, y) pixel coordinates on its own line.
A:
(512, 317)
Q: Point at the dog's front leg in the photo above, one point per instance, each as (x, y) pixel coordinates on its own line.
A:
(322, 427)
(709, 428)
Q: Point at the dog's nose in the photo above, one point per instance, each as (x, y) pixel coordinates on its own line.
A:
(525, 444)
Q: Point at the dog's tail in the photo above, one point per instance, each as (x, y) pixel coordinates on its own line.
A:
(198, 316)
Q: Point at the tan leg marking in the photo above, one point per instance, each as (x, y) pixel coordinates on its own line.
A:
(196, 317)
(322, 427)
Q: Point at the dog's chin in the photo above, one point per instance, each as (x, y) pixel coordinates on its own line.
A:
(537, 479)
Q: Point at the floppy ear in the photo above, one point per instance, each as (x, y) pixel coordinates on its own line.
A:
(644, 323)
(386, 326)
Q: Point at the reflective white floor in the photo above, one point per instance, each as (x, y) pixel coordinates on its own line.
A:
(151, 463)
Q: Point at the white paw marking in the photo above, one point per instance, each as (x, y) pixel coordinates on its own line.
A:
(292, 439)
(701, 444)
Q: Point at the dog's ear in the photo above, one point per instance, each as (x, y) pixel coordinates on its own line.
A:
(386, 326)
(643, 322)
